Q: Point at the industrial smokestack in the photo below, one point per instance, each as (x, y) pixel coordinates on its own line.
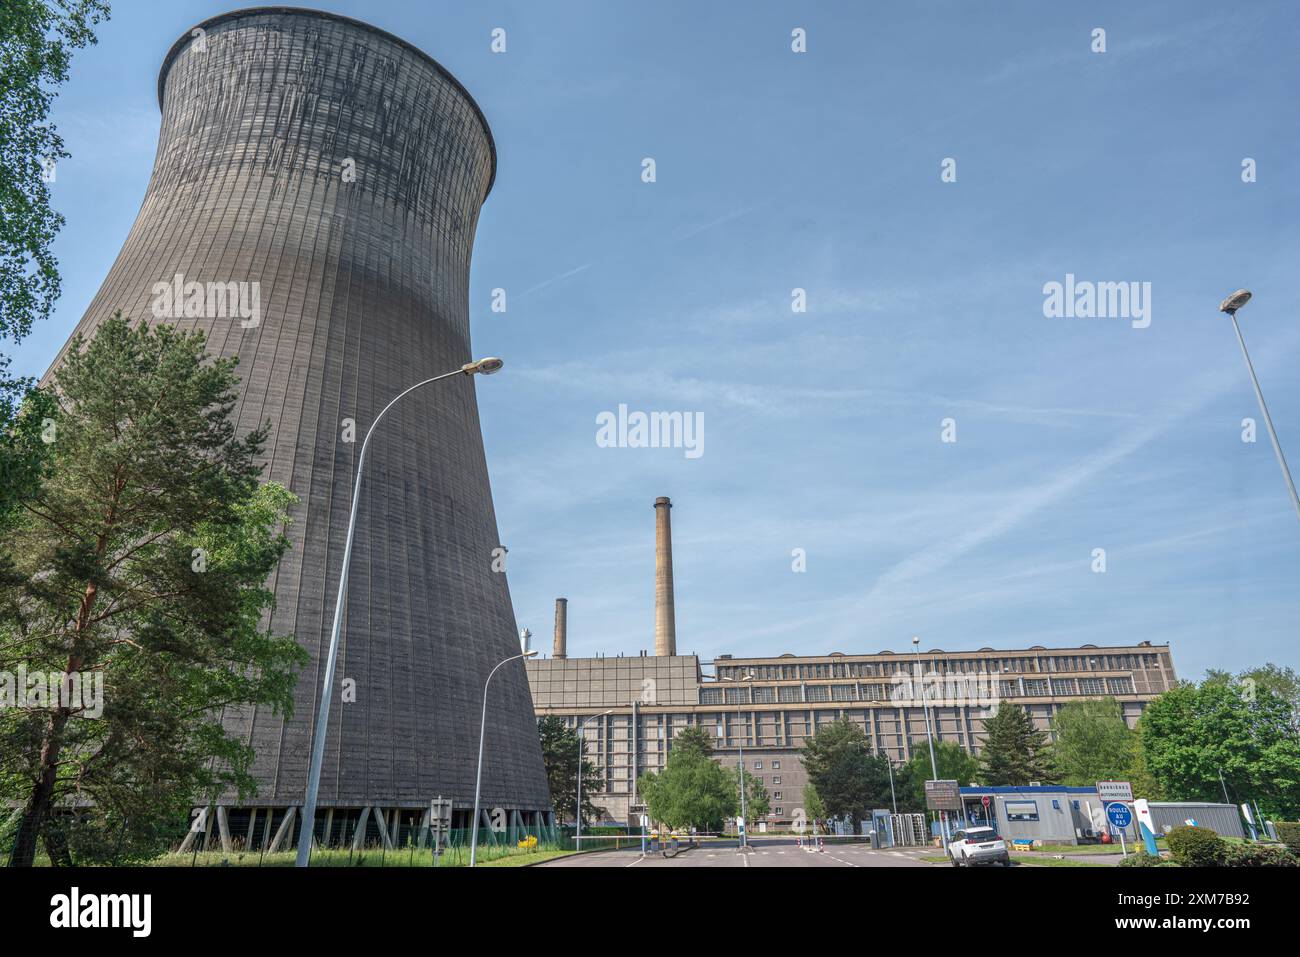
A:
(665, 616)
(560, 649)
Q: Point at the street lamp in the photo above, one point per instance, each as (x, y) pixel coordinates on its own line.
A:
(1230, 306)
(925, 704)
(889, 762)
(485, 367)
(577, 834)
(478, 777)
(743, 844)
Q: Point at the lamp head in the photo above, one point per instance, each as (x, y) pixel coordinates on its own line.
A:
(1235, 301)
(485, 366)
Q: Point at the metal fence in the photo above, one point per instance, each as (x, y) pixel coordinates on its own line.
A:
(271, 841)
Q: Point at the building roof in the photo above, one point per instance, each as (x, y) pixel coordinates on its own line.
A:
(1029, 789)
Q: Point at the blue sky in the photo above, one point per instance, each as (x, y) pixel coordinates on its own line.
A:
(821, 171)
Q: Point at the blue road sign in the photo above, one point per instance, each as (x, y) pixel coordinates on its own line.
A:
(1119, 814)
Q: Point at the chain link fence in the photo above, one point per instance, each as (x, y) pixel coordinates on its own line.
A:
(268, 837)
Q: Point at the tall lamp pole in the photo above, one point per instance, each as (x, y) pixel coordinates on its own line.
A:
(892, 796)
(478, 776)
(743, 844)
(577, 834)
(1230, 306)
(934, 766)
(483, 366)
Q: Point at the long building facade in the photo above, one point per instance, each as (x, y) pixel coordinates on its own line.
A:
(312, 209)
(772, 705)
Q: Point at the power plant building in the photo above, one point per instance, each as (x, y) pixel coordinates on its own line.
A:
(772, 705)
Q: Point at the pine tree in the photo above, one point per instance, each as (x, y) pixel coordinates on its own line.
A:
(848, 777)
(1014, 751)
(140, 560)
(560, 749)
(693, 738)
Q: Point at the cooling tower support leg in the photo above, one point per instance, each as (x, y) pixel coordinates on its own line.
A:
(359, 835)
(283, 832)
(200, 826)
(223, 828)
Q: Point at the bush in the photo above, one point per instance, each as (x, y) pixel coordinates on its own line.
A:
(1260, 855)
(1288, 832)
(1143, 859)
(1196, 847)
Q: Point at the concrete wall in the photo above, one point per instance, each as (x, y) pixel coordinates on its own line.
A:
(364, 290)
(1223, 819)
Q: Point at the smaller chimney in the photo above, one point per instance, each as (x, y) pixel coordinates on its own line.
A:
(560, 650)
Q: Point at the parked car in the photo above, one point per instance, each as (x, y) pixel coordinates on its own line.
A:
(978, 845)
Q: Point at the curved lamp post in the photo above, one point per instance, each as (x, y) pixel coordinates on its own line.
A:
(478, 777)
(1230, 306)
(577, 836)
(934, 765)
(742, 843)
(485, 367)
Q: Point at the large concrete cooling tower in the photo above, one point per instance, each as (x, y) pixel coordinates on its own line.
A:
(339, 172)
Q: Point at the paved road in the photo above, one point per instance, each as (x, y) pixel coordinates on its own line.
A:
(767, 852)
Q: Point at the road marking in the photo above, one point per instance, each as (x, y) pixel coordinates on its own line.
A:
(745, 858)
(841, 860)
(636, 862)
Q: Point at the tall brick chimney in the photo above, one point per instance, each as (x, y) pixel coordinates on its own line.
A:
(561, 647)
(665, 616)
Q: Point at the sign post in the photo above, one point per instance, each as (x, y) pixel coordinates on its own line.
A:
(1121, 817)
(1111, 791)
(943, 796)
(439, 824)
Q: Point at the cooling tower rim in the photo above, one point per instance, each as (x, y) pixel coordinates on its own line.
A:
(327, 15)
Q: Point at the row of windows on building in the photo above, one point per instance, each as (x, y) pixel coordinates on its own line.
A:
(907, 691)
(1025, 664)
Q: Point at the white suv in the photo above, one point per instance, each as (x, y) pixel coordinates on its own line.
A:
(978, 845)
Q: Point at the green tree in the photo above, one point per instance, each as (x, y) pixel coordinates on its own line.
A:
(849, 778)
(37, 38)
(691, 790)
(813, 806)
(560, 749)
(141, 558)
(1093, 742)
(955, 763)
(1014, 751)
(1139, 775)
(693, 738)
(1283, 682)
(26, 417)
(1191, 735)
(757, 803)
